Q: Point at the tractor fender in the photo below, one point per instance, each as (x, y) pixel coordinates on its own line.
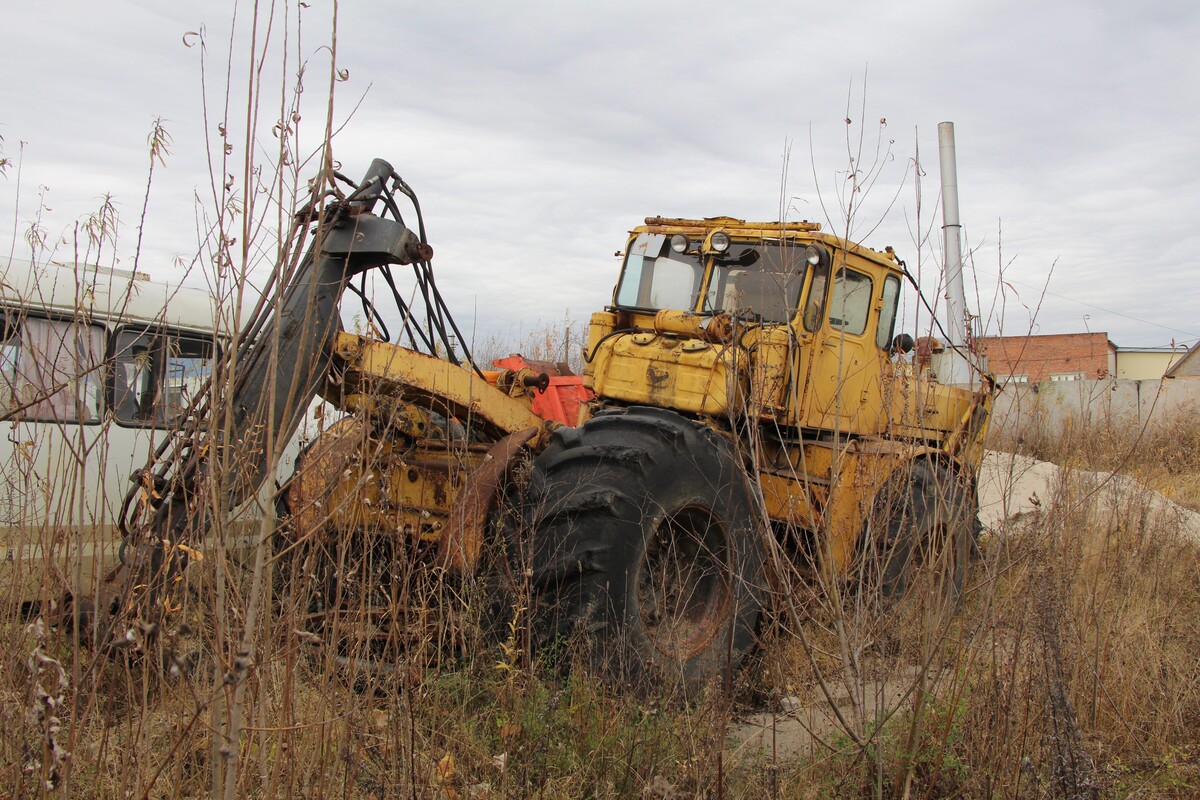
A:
(462, 542)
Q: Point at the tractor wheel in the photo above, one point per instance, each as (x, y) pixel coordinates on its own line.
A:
(361, 601)
(645, 557)
(925, 523)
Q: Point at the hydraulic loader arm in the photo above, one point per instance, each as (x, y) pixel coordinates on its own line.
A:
(263, 389)
(287, 363)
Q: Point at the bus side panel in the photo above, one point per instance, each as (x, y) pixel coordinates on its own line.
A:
(62, 489)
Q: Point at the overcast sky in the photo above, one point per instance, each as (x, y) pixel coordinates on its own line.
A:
(537, 134)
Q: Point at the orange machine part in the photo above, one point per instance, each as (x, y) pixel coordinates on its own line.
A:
(563, 397)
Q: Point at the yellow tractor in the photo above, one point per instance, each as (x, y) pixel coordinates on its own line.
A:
(751, 400)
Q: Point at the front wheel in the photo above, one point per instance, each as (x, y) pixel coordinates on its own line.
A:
(646, 556)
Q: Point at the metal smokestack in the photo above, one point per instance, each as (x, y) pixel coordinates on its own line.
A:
(956, 298)
(955, 365)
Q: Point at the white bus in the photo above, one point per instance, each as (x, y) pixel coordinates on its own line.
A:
(95, 364)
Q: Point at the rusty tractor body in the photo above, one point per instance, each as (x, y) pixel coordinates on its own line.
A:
(742, 399)
(753, 419)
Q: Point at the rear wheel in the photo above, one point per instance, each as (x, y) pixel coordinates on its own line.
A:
(645, 556)
(370, 599)
(923, 524)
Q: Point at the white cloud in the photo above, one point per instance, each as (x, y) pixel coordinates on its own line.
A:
(536, 135)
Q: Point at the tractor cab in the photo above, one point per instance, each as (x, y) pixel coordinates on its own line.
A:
(720, 316)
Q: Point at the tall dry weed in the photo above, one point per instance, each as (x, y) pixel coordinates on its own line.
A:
(1069, 671)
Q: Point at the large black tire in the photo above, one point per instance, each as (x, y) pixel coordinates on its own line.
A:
(646, 558)
(921, 534)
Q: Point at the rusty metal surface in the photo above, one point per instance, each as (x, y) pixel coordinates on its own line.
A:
(375, 370)
(740, 225)
(459, 548)
(322, 469)
(354, 480)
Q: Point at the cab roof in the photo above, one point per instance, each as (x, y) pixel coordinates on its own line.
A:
(741, 229)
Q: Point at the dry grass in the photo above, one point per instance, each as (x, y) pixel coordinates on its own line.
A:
(1164, 454)
(554, 342)
(313, 732)
(1070, 672)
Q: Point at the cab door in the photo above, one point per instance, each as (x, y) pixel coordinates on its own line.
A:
(844, 367)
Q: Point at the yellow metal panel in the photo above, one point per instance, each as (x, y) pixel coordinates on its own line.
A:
(919, 408)
(601, 325)
(862, 469)
(829, 489)
(352, 480)
(801, 232)
(769, 371)
(647, 369)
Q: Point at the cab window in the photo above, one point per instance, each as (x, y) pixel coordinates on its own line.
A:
(887, 314)
(815, 305)
(761, 281)
(656, 277)
(849, 301)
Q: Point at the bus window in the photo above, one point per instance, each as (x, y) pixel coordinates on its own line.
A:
(51, 369)
(156, 375)
(10, 349)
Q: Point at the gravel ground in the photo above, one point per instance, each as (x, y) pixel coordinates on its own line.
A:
(1010, 486)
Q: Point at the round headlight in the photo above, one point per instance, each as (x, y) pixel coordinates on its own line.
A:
(679, 243)
(813, 254)
(719, 241)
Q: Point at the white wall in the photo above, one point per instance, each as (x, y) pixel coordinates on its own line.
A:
(1104, 401)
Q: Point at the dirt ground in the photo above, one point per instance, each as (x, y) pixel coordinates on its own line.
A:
(1011, 485)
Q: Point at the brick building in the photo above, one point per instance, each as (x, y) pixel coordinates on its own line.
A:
(1053, 357)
